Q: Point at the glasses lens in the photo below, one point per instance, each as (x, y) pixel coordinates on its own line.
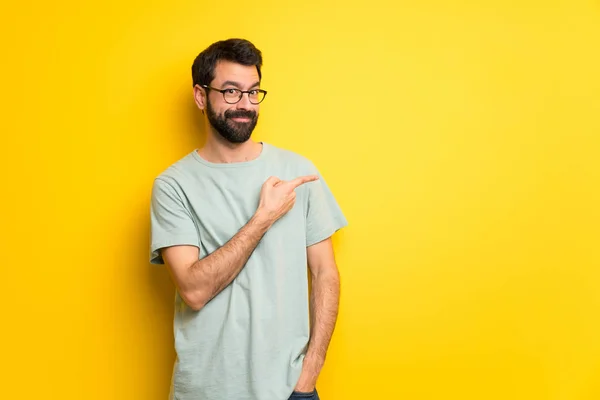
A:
(232, 95)
(256, 96)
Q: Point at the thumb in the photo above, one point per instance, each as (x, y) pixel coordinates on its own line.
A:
(272, 181)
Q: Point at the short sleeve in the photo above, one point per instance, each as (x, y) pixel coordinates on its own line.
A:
(171, 223)
(324, 216)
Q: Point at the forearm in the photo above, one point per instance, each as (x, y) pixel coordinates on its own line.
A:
(324, 304)
(210, 275)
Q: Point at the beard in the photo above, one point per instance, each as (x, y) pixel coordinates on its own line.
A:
(232, 131)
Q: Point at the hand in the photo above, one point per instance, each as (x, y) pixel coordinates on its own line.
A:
(305, 384)
(277, 197)
(308, 377)
(304, 388)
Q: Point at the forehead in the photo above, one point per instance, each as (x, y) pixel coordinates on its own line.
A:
(230, 71)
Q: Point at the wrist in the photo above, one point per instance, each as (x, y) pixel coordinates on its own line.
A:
(262, 218)
(312, 365)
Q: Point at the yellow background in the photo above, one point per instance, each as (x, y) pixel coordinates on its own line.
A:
(460, 138)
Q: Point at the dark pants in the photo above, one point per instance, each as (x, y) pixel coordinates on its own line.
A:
(305, 396)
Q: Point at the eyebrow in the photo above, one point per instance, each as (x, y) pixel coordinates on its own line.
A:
(238, 85)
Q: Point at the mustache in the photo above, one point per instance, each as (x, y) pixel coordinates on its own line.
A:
(240, 114)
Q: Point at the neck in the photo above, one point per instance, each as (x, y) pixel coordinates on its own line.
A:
(218, 150)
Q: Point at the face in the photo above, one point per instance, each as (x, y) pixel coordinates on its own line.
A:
(234, 122)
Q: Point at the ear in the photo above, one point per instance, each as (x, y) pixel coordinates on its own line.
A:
(200, 97)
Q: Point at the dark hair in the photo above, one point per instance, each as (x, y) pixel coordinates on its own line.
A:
(240, 51)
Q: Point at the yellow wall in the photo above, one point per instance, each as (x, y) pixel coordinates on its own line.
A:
(461, 140)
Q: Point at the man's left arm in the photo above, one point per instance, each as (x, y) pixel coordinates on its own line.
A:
(324, 303)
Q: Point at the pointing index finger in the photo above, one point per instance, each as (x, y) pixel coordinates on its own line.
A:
(302, 180)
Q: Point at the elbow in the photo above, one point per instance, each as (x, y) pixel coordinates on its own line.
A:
(195, 306)
(195, 300)
(329, 275)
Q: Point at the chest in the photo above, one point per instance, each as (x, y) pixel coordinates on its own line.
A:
(222, 204)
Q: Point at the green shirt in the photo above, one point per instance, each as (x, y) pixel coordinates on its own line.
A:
(249, 341)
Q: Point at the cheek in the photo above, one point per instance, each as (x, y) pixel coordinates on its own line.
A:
(218, 110)
(217, 105)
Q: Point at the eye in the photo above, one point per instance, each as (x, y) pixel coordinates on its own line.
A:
(231, 91)
(253, 92)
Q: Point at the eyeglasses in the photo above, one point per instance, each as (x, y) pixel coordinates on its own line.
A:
(233, 96)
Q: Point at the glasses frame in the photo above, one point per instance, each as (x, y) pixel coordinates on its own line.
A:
(241, 94)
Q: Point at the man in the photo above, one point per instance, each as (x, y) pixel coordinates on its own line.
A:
(237, 222)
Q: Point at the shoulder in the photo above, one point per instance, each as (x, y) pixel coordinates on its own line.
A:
(176, 174)
(291, 158)
(181, 169)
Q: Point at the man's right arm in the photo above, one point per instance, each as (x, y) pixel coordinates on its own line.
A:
(199, 281)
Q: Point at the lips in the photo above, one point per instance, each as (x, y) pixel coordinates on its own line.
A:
(241, 119)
